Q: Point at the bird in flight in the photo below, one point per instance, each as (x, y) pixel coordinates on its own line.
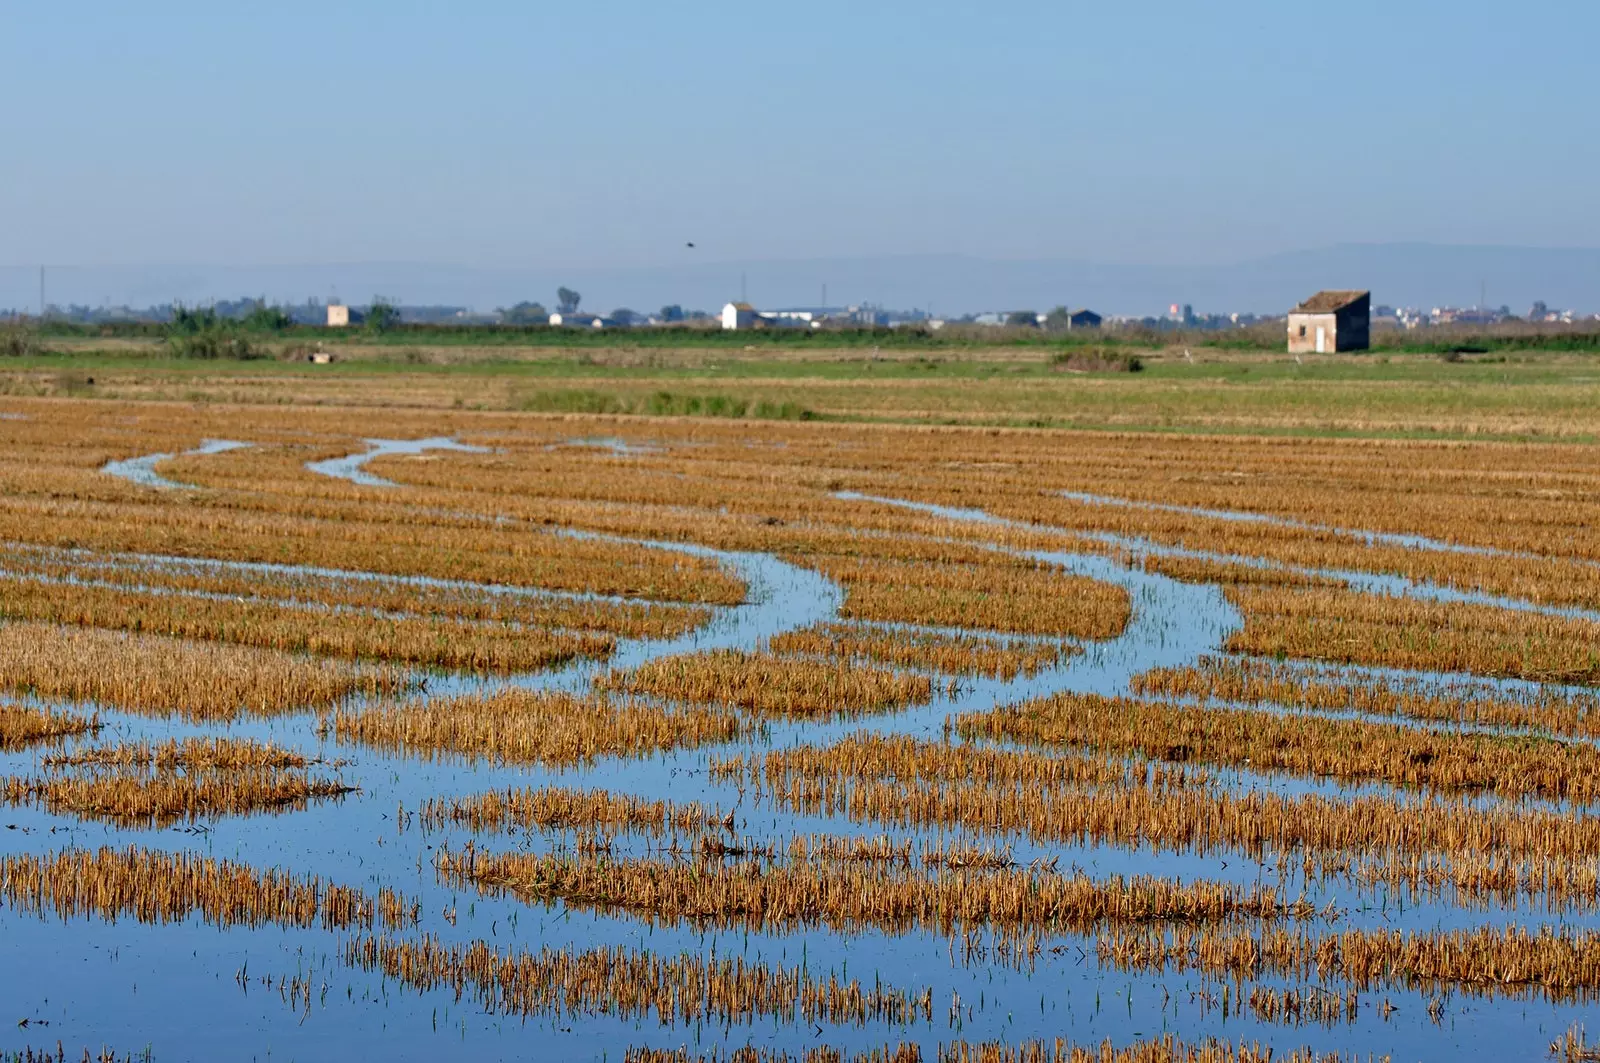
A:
(691, 243)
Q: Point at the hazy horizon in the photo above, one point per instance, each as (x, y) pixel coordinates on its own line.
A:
(611, 136)
(1419, 275)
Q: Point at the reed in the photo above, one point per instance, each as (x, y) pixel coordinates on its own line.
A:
(1165, 1049)
(1355, 750)
(189, 754)
(1036, 600)
(848, 897)
(59, 1055)
(289, 588)
(904, 1053)
(161, 676)
(268, 626)
(1556, 965)
(766, 685)
(529, 727)
(1573, 1047)
(139, 800)
(674, 990)
(1304, 1004)
(23, 725)
(1293, 686)
(1233, 573)
(913, 762)
(152, 887)
(951, 654)
(1420, 845)
(1351, 628)
(560, 808)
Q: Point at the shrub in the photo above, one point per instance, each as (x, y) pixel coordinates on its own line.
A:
(1094, 360)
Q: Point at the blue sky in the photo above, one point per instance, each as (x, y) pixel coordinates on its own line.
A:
(608, 133)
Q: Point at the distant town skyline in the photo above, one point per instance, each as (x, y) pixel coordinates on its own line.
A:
(1420, 276)
(614, 135)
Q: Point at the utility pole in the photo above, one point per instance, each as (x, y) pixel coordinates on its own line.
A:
(41, 293)
(824, 304)
(743, 298)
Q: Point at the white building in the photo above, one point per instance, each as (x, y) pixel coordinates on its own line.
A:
(738, 316)
(577, 318)
(338, 316)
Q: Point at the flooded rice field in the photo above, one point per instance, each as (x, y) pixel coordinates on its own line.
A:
(334, 734)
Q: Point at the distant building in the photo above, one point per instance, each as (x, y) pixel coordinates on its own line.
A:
(1331, 321)
(739, 316)
(577, 318)
(1082, 318)
(338, 315)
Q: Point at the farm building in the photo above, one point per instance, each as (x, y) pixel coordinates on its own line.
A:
(1083, 319)
(738, 316)
(574, 318)
(1331, 321)
(338, 316)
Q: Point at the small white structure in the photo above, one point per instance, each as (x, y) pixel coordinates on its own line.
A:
(574, 317)
(738, 316)
(338, 315)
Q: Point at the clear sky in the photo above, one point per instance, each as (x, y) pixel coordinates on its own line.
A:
(609, 133)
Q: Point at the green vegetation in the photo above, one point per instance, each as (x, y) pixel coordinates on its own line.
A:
(203, 334)
(662, 404)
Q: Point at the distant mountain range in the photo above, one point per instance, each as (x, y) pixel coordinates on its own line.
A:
(1422, 275)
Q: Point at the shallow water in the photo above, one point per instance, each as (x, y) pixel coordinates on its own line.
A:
(142, 470)
(353, 467)
(192, 991)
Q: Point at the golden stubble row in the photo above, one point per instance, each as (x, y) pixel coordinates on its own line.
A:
(1252, 681)
(140, 785)
(914, 761)
(851, 896)
(157, 675)
(154, 887)
(1421, 845)
(534, 727)
(264, 586)
(25, 725)
(1347, 627)
(1556, 964)
(768, 685)
(953, 654)
(1347, 749)
(681, 989)
(1164, 1049)
(271, 626)
(1040, 600)
(555, 808)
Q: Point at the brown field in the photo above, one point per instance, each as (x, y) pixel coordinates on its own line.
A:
(858, 895)
(1166, 1049)
(1352, 750)
(157, 888)
(772, 686)
(683, 989)
(1511, 962)
(1334, 826)
(1265, 682)
(1424, 847)
(995, 597)
(559, 808)
(140, 785)
(1350, 628)
(23, 725)
(156, 675)
(530, 727)
(951, 654)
